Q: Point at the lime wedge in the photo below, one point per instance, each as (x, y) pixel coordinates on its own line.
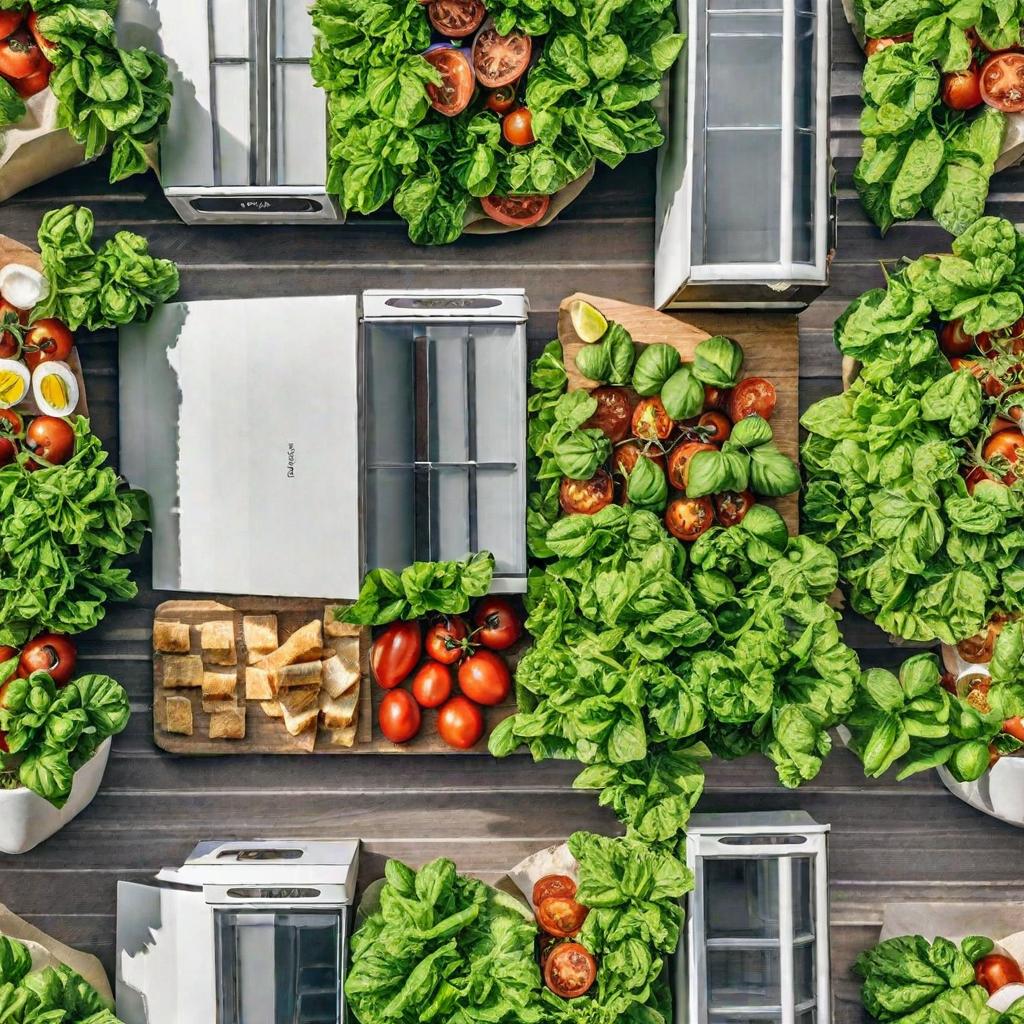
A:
(587, 322)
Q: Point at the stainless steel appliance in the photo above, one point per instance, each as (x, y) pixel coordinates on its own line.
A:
(744, 213)
(756, 945)
(247, 136)
(245, 932)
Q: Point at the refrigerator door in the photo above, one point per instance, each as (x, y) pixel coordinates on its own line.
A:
(240, 418)
(163, 936)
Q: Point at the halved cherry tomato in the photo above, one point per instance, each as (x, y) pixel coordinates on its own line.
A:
(754, 396)
(952, 339)
(498, 625)
(561, 916)
(1007, 444)
(517, 127)
(452, 96)
(20, 55)
(586, 497)
(1002, 82)
(961, 90)
(484, 677)
(569, 970)
(28, 86)
(688, 518)
(731, 507)
(50, 653)
(12, 320)
(432, 685)
(501, 100)
(395, 653)
(47, 341)
(650, 420)
(42, 42)
(10, 22)
(626, 455)
(1008, 341)
(399, 716)
(549, 885)
(717, 427)
(716, 398)
(1012, 726)
(460, 723)
(446, 640)
(873, 46)
(679, 462)
(516, 211)
(51, 439)
(613, 413)
(456, 19)
(498, 59)
(994, 971)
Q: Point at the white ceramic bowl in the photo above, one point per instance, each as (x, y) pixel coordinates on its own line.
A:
(999, 792)
(26, 819)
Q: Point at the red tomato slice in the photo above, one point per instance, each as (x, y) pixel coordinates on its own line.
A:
(569, 970)
(516, 211)
(753, 396)
(456, 19)
(452, 96)
(1002, 82)
(688, 518)
(549, 885)
(561, 916)
(586, 497)
(498, 59)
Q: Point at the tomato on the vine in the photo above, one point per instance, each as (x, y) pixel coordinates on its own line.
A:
(498, 625)
(445, 641)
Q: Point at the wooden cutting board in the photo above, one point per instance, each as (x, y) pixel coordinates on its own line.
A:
(265, 735)
(770, 344)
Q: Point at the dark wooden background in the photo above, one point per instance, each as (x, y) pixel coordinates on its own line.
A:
(889, 842)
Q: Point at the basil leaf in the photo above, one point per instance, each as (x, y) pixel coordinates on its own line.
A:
(682, 394)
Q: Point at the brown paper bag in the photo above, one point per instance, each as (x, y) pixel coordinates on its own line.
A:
(478, 223)
(46, 952)
(12, 251)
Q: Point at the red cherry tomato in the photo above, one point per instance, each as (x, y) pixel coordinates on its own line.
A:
(10, 22)
(961, 90)
(516, 211)
(731, 507)
(12, 320)
(47, 341)
(550, 885)
(11, 430)
(517, 128)
(498, 625)
(586, 497)
(952, 339)
(716, 427)
(679, 462)
(1002, 82)
(460, 723)
(561, 916)
(716, 398)
(754, 396)
(650, 420)
(399, 716)
(6, 653)
(994, 971)
(627, 455)
(432, 685)
(1007, 444)
(395, 653)
(1008, 340)
(688, 518)
(50, 653)
(485, 678)
(501, 100)
(51, 439)
(613, 413)
(446, 640)
(452, 96)
(569, 970)
(20, 55)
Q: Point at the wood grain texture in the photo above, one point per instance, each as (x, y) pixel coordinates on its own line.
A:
(770, 347)
(889, 841)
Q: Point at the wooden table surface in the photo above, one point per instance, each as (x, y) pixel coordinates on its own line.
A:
(889, 841)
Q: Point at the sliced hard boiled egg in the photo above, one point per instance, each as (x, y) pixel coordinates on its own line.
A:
(55, 389)
(14, 382)
(23, 287)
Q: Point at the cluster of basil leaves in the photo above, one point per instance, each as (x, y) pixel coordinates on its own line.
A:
(106, 95)
(923, 557)
(918, 153)
(601, 64)
(51, 732)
